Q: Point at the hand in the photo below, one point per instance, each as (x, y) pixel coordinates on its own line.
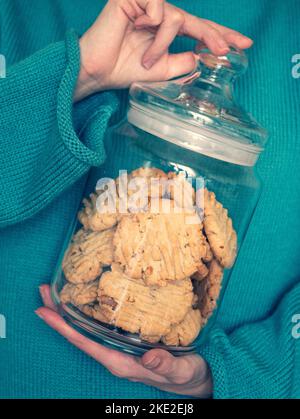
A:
(188, 375)
(129, 42)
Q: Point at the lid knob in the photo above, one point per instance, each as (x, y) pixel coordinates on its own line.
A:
(199, 112)
(234, 63)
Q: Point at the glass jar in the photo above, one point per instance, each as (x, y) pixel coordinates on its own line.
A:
(153, 247)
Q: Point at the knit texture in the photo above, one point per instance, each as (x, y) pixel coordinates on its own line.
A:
(40, 93)
(48, 146)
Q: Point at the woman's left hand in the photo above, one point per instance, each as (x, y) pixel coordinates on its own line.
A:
(186, 375)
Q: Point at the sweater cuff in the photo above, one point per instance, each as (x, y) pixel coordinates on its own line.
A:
(48, 141)
(101, 107)
(217, 367)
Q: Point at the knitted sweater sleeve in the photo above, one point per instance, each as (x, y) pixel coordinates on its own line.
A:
(259, 360)
(42, 142)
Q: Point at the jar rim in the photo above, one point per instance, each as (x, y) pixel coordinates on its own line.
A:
(199, 139)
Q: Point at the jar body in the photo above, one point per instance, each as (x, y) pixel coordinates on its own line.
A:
(129, 148)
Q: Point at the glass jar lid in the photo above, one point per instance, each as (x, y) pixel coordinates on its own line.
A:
(199, 112)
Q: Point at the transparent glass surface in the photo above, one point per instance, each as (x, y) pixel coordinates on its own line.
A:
(129, 148)
(200, 112)
(192, 125)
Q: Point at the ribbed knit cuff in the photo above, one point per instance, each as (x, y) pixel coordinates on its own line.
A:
(218, 370)
(92, 154)
(48, 142)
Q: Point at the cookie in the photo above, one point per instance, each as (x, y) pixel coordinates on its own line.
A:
(148, 181)
(87, 309)
(79, 294)
(202, 272)
(208, 290)
(87, 254)
(180, 190)
(150, 311)
(159, 247)
(219, 231)
(208, 254)
(185, 332)
(149, 173)
(93, 310)
(136, 188)
(99, 213)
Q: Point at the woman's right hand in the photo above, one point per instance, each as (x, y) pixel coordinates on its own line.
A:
(129, 42)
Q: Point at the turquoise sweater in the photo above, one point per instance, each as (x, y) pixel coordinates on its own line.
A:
(47, 147)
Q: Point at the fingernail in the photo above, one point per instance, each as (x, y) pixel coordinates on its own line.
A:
(41, 290)
(39, 314)
(148, 64)
(249, 39)
(244, 37)
(152, 363)
(225, 50)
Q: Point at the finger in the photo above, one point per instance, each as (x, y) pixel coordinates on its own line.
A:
(237, 40)
(154, 14)
(163, 39)
(180, 64)
(118, 363)
(110, 25)
(132, 10)
(102, 354)
(45, 293)
(176, 370)
(232, 37)
(203, 31)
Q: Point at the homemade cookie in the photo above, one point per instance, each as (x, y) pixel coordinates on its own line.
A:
(93, 310)
(87, 254)
(219, 230)
(148, 181)
(208, 256)
(149, 173)
(185, 332)
(151, 311)
(202, 272)
(181, 190)
(79, 294)
(99, 217)
(138, 187)
(159, 246)
(87, 309)
(208, 289)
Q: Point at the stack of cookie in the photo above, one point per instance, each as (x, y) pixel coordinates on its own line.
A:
(156, 272)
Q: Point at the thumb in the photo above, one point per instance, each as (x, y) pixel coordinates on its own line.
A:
(177, 370)
(180, 64)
